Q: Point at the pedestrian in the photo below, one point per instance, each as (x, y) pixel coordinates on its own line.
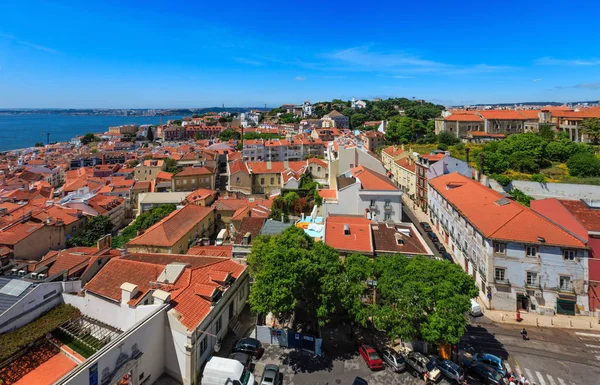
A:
(426, 378)
(522, 379)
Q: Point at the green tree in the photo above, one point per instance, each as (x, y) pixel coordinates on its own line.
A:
(171, 166)
(142, 222)
(447, 139)
(88, 138)
(521, 197)
(290, 199)
(176, 122)
(584, 164)
(39, 144)
(96, 228)
(357, 270)
(591, 127)
(423, 112)
(538, 178)
(422, 298)
(228, 134)
(403, 129)
(292, 272)
(357, 120)
(546, 132)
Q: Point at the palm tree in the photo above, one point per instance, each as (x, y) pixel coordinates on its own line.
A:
(591, 127)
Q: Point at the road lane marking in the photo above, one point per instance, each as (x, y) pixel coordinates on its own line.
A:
(598, 358)
(593, 346)
(562, 382)
(539, 375)
(528, 375)
(552, 382)
(508, 368)
(588, 334)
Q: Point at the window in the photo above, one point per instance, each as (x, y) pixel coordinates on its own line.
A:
(318, 168)
(500, 274)
(219, 324)
(569, 254)
(262, 180)
(73, 229)
(203, 344)
(531, 251)
(387, 217)
(272, 180)
(218, 216)
(500, 248)
(564, 282)
(532, 278)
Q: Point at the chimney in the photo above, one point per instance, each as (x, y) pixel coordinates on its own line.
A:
(467, 149)
(128, 291)
(161, 297)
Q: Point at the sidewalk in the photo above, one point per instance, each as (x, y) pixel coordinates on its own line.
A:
(533, 319)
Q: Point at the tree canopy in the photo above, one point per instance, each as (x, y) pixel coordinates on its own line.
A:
(292, 272)
(142, 222)
(96, 228)
(229, 134)
(591, 127)
(88, 138)
(416, 298)
(584, 164)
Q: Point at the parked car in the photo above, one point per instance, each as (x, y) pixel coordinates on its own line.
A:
(451, 370)
(418, 364)
(359, 381)
(440, 247)
(425, 226)
(432, 236)
(270, 375)
(371, 357)
(486, 374)
(250, 346)
(394, 360)
(493, 361)
(475, 310)
(244, 358)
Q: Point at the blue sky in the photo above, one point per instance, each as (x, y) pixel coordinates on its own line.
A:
(134, 54)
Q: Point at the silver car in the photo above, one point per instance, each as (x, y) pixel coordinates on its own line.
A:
(450, 370)
(394, 360)
(270, 375)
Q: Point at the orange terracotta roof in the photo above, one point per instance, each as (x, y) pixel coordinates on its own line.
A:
(190, 171)
(370, 180)
(328, 194)
(237, 166)
(359, 239)
(275, 167)
(170, 229)
(318, 161)
(199, 194)
(509, 222)
(215, 251)
(463, 118)
(530, 114)
(393, 151)
(501, 115)
(404, 163)
(164, 175)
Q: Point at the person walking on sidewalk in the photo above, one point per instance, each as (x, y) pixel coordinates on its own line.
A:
(522, 379)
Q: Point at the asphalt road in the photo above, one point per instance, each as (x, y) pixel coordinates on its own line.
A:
(552, 356)
(408, 216)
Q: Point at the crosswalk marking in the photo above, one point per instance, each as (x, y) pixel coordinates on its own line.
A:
(508, 368)
(588, 334)
(562, 382)
(528, 374)
(552, 382)
(539, 375)
(593, 346)
(598, 358)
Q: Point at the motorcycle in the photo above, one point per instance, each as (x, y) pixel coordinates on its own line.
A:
(524, 335)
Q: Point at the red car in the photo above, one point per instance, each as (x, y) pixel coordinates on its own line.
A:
(371, 357)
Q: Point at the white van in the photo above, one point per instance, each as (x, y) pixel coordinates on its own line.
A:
(475, 308)
(221, 237)
(225, 371)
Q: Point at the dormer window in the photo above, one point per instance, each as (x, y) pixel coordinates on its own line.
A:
(346, 229)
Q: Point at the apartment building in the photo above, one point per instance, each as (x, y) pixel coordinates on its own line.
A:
(130, 129)
(424, 161)
(518, 258)
(391, 154)
(294, 149)
(148, 169)
(176, 233)
(362, 191)
(192, 178)
(372, 139)
(403, 173)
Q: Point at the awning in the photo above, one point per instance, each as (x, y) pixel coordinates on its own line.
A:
(567, 297)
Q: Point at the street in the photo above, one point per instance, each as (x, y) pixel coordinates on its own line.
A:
(551, 357)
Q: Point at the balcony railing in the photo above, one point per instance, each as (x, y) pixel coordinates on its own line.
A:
(387, 206)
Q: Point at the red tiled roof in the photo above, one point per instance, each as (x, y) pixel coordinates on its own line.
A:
(510, 222)
(213, 251)
(463, 118)
(573, 215)
(237, 166)
(251, 225)
(318, 161)
(530, 114)
(501, 115)
(189, 171)
(170, 229)
(370, 180)
(403, 162)
(393, 151)
(275, 167)
(587, 216)
(359, 239)
(164, 175)
(328, 193)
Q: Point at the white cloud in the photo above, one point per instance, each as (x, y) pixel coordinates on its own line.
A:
(251, 62)
(300, 78)
(536, 80)
(549, 60)
(29, 44)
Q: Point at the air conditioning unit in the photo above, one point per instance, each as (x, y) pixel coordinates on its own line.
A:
(41, 276)
(538, 294)
(33, 275)
(21, 273)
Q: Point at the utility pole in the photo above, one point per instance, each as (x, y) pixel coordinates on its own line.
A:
(47, 136)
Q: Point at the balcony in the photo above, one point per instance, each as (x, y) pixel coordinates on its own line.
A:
(505, 282)
(387, 206)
